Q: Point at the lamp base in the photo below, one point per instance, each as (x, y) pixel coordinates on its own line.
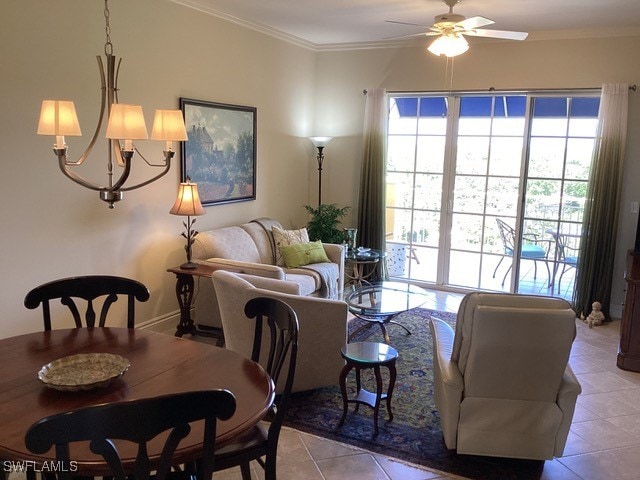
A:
(188, 266)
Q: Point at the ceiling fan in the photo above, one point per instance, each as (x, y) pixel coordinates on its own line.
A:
(450, 29)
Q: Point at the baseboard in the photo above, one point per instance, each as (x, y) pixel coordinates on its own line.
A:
(164, 323)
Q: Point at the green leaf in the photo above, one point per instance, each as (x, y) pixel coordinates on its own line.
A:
(324, 224)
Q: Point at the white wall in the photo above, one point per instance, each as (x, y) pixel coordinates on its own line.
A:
(53, 228)
(573, 63)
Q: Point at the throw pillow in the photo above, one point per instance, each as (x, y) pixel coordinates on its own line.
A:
(301, 254)
(283, 238)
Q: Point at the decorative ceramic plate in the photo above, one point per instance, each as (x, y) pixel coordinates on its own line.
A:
(84, 371)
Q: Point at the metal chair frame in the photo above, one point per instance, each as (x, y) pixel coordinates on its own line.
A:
(508, 237)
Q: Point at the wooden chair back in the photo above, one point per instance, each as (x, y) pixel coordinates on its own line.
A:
(87, 288)
(280, 320)
(137, 421)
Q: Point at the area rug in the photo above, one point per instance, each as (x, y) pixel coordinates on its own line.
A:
(414, 434)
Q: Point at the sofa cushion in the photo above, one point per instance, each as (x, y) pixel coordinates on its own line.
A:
(306, 281)
(232, 243)
(283, 238)
(301, 254)
(263, 239)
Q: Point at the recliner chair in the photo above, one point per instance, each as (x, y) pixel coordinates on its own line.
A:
(503, 385)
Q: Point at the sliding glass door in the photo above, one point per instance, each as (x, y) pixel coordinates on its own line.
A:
(481, 188)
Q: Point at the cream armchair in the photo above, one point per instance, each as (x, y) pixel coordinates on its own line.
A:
(503, 386)
(323, 325)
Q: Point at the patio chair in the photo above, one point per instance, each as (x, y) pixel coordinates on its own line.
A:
(139, 422)
(88, 288)
(529, 251)
(566, 255)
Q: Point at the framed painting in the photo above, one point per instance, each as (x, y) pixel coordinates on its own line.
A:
(220, 153)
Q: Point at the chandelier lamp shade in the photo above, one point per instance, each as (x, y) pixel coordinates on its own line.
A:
(124, 124)
(320, 143)
(450, 45)
(188, 204)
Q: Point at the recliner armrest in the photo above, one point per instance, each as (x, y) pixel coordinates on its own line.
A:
(448, 382)
(570, 386)
(443, 336)
(566, 400)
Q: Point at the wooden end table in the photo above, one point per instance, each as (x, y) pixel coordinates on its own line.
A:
(184, 292)
(360, 355)
(357, 263)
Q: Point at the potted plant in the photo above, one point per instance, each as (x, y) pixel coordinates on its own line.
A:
(325, 221)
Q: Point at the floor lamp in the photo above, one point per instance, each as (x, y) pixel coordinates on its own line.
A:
(320, 143)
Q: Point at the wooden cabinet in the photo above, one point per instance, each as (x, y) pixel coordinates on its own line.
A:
(629, 351)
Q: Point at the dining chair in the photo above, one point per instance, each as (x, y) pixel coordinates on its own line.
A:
(531, 250)
(566, 255)
(88, 288)
(275, 345)
(137, 421)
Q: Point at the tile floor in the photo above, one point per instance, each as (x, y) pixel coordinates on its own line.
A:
(604, 442)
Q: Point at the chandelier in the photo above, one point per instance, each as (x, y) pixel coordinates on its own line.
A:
(125, 123)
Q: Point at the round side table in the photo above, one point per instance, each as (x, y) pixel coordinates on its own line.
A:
(361, 355)
(357, 262)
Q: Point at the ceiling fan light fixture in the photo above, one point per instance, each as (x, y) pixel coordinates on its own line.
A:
(450, 45)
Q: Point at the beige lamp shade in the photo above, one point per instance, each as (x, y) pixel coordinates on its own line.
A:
(320, 141)
(449, 45)
(188, 201)
(126, 122)
(168, 125)
(58, 117)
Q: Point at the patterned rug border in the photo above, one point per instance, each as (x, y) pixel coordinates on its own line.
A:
(420, 440)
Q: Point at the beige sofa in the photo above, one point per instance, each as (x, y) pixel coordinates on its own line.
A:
(502, 382)
(322, 322)
(250, 248)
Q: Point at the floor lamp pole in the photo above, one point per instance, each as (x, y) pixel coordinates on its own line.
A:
(320, 158)
(320, 143)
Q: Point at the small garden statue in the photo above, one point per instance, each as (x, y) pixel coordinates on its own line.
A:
(596, 317)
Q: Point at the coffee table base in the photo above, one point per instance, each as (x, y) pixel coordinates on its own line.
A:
(371, 321)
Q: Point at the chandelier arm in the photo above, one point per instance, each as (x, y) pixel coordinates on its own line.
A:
(168, 155)
(113, 89)
(74, 176)
(147, 182)
(125, 172)
(94, 138)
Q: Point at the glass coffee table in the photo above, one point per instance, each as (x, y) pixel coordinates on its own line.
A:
(378, 303)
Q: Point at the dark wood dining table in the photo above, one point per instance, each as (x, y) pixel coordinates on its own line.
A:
(160, 364)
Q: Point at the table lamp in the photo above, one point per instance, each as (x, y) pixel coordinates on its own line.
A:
(188, 204)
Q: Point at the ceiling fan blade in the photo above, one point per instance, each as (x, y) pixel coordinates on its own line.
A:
(506, 34)
(407, 23)
(474, 22)
(405, 36)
